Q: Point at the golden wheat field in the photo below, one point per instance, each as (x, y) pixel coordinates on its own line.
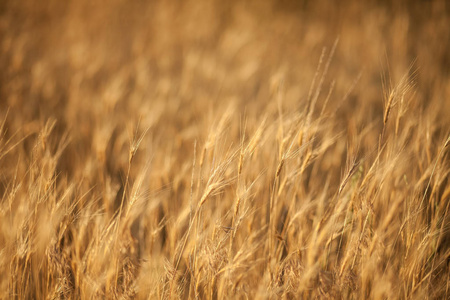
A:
(224, 149)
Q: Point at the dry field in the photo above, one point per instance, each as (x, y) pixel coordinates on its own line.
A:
(224, 150)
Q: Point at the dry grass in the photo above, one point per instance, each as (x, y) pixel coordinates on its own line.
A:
(213, 149)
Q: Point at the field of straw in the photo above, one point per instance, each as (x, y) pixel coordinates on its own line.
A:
(224, 149)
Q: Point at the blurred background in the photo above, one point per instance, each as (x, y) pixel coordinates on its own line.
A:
(123, 53)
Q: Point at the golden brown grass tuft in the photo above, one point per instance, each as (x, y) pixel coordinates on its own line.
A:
(224, 150)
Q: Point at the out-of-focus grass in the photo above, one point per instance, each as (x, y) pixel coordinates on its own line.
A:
(211, 149)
